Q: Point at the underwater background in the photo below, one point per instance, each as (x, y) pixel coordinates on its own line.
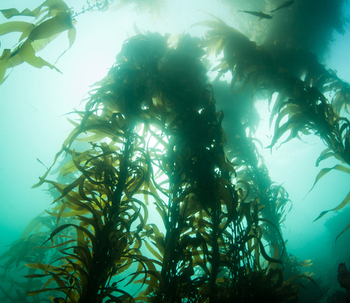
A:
(35, 102)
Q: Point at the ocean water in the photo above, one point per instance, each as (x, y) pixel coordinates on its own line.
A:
(34, 104)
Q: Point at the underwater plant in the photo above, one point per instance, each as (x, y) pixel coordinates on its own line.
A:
(155, 135)
(156, 143)
(300, 86)
(51, 18)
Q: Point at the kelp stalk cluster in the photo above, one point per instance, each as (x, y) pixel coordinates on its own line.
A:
(155, 136)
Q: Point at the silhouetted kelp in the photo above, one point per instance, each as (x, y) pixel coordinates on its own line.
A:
(299, 84)
(303, 25)
(156, 136)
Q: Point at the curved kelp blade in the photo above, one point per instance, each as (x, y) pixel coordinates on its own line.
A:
(340, 206)
(327, 170)
(38, 34)
(11, 12)
(15, 26)
(64, 226)
(50, 4)
(343, 230)
(4, 63)
(51, 27)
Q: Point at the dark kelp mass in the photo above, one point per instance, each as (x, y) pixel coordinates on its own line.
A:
(162, 139)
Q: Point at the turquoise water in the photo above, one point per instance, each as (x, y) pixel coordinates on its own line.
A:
(34, 103)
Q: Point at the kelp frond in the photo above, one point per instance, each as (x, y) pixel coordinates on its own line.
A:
(50, 19)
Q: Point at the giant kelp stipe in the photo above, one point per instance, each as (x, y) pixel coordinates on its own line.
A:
(168, 199)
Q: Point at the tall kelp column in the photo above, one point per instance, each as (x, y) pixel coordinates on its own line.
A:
(156, 137)
(156, 146)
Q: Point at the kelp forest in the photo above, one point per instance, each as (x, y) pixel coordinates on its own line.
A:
(159, 192)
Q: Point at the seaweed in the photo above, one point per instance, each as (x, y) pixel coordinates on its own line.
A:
(157, 144)
(299, 86)
(51, 19)
(155, 135)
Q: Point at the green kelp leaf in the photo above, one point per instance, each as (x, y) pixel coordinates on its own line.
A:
(15, 59)
(342, 231)
(27, 53)
(40, 44)
(53, 6)
(325, 154)
(36, 224)
(16, 26)
(327, 170)
(43, 178)
(51, 27)
(11, 12)
(340, 206)
(295, 123)
(71, 37)
(153, 251)
(4, 62)
(40, 35)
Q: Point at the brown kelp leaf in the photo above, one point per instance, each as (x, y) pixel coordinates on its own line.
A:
(305, 263)
(296, 123)
(69, 214)
(38, 265)
(265, 255)
(70, 166)
(160, 140)
(327, 170)
(62, 285)
(64, 226)
(325, 154)
(153, 275)
(275, 255)
(153, 251)
(158, 238)
(299, 284)
(226, 165)
(340, 206)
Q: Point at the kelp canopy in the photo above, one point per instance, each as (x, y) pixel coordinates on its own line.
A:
(169, 199)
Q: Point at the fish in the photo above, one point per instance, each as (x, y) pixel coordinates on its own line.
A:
(284, 5)
(258, 14)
